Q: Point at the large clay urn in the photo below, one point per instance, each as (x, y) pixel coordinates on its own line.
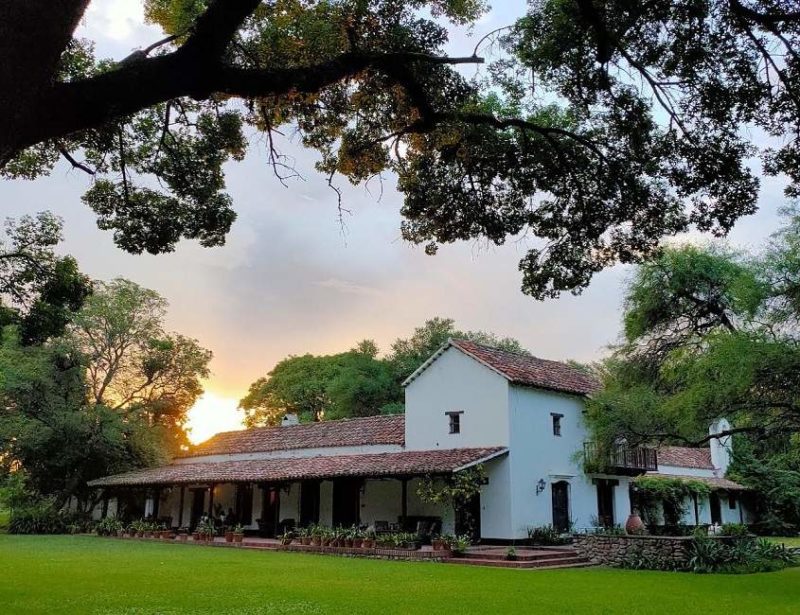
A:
(634, 524)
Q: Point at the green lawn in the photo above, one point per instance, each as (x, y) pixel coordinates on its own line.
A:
(85, 574)
(792, 541)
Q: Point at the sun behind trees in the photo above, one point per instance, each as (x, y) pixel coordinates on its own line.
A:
(596, 129)
(352, 383)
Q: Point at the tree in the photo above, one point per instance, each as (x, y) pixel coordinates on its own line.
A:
(709, 333)
(600, 128)
(407, 354)
(133, 366)
(352, 383)
(50, 432)
(39, 288)
(109, 395)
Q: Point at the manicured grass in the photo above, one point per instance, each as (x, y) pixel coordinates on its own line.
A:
(84, 574)
(790, 541)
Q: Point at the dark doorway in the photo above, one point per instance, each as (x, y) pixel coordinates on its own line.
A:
(605, 502)
(198, 500)
(716, 509)
(468, 518)
(270, 511)
(244, 503)
(561, 506)
(130, 505)
(309, 503)
(346, 502)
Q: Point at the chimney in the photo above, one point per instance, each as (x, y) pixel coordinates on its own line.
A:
(720, 447)
(289, 419)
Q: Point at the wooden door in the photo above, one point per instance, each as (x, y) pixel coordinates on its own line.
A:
(605, 502)
(468, 518)
(561, 506)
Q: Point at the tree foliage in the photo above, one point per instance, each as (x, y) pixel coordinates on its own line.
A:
(109, 395)
(38, 289)
(598, 128)
(709, 334)
(353, 383)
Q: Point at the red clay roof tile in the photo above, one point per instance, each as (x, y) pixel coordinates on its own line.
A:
(531, 371)
(406, 463)
(685, 457)
(345, 432)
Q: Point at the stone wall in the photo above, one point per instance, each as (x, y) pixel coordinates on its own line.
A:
(614, 550)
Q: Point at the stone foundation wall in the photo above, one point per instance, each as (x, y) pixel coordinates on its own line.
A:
(614, 550)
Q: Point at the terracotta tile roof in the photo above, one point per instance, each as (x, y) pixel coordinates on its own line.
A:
(713, 482)
(531, 371)
(345, 432)
(406, 463)
(685, 457)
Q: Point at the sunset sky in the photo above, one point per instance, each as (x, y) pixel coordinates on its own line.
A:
(291, 280)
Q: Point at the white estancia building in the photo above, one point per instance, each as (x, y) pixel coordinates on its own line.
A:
(518, 416)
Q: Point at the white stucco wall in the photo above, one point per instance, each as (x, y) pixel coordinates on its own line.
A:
(537, 454)
(456, 382)
(381, 500)
(290, 503)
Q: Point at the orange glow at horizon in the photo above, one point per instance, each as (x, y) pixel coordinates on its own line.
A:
(212, 414)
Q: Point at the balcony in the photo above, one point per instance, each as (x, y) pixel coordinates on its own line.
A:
(621, 459)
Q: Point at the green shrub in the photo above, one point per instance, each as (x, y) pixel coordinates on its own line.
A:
(743, 555)
(547, 535)
(734, 529)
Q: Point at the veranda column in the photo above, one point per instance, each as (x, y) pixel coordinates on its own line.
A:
(211, 500)
(180, 509)
(404, 500)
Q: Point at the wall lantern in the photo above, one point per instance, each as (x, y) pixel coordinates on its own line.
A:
(540, 486)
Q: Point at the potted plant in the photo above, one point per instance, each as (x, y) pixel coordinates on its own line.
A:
(460, 544)
(228, 534)
(511, 554)
(316, 535)
(348, 537)
(358, 538)
(304, 536)
(368, 541)
(437, 542)
(238, 533)
(326, 537)
(287, 537)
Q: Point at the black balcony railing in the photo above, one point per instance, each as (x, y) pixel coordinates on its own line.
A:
(619, 459)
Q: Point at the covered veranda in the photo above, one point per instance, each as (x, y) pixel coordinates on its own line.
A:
(268, 496)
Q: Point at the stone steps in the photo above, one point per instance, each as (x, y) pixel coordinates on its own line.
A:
(572, 561)
(522, 555)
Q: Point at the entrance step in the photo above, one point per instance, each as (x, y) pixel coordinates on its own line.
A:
(523, 555)
(552, 563)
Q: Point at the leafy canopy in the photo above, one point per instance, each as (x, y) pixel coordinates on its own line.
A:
(597, 128)
(352, 383)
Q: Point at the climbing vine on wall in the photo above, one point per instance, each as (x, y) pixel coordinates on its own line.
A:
(457, 489)
(671, 493)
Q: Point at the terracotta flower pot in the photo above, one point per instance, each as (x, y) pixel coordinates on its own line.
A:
(357, 542)
(437, 544)
(368, 543)
(634, 524)
(238, 538)
(228, 536)
(316, 541)
(348, 542)
(195, 535)
(305, 540)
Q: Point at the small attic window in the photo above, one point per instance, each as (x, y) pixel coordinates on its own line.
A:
(556, 423)
(455, 421)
